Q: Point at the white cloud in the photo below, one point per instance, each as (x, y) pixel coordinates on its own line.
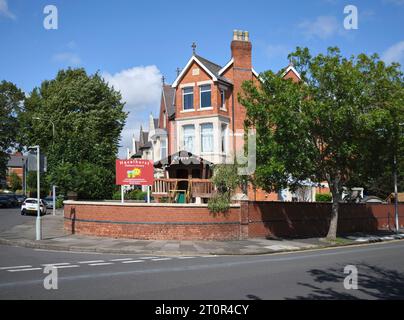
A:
(140, 88)
(395, 53)
(5, 11)
(69, 58)
(322, 27)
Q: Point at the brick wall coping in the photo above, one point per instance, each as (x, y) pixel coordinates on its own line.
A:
(127, 204)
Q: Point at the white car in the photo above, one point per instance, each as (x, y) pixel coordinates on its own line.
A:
(30, 206)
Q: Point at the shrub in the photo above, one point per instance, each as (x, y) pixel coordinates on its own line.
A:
(323, 197)
(59, 201)
(219, 203)
(226, 180)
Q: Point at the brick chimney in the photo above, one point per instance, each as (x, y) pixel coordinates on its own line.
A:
(241, 49)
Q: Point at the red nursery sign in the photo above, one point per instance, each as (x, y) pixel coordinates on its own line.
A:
(134, 172)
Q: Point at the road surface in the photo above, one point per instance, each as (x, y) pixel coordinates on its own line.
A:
(304, 275)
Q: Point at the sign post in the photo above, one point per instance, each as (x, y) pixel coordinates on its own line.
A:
(134, 172)
(54, 200)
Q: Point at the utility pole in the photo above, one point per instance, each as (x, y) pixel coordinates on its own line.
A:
(38, 186)
(396, 194)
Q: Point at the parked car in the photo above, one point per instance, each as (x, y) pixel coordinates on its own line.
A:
(5, 202)
(21, 199)
(13, 199)
(49, 202)
(30, 206)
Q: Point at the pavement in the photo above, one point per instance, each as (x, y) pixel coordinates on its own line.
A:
(56, 238)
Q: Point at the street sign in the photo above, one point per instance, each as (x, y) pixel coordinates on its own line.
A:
(136, 172)
(31, 162)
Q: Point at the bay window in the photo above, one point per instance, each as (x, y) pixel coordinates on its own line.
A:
(189, 138)
(207, 137)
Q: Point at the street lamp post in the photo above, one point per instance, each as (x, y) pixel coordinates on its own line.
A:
(38, 186)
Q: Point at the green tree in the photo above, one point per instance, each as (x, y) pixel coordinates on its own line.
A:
(340, 122)
(11, 102)
(15, 182)
(88, 117)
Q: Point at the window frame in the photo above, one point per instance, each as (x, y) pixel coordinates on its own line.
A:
(163, 140)
(224, 138)
(193, 140)
(200, 96)
(183, 99)
(212, 136)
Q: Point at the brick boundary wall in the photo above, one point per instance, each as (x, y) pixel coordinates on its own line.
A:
(248, 220)
(151, 221)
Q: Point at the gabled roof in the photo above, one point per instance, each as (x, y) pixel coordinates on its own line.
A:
(16, 161)
(169, 99)
(211, 68)
(291, 68)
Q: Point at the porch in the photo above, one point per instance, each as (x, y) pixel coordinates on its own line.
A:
(182, 190)
(186, 179)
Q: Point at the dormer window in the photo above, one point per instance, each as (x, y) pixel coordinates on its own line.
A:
(205, 96)
(188, 98)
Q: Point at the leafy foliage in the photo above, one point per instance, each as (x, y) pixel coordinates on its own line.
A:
(15, 182)
(11, 102)
(340, 123)
(226, 180)
(88, 117)
(323, 197)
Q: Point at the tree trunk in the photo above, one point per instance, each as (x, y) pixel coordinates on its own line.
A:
(336, 196)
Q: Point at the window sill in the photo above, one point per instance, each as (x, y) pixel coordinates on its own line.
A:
(188, 110)
(206, 108)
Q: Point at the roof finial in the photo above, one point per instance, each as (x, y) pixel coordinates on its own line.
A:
(178, 71)
(193, 48)
(163, 80)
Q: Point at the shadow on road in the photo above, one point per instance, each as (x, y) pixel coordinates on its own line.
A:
(373, 283)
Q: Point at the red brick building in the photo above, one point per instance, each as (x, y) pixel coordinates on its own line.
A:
(200, 112)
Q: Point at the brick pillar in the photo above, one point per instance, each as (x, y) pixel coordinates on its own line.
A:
(244, 219)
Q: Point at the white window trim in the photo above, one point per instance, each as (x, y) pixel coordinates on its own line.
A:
(226, 138)
(161, 149)
(213, 138)
(183, 137)
(200, 98)
(201, 83)
(183, 99)
(223, 106)
(185, 85)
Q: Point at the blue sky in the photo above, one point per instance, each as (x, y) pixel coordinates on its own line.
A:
(133, 43)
